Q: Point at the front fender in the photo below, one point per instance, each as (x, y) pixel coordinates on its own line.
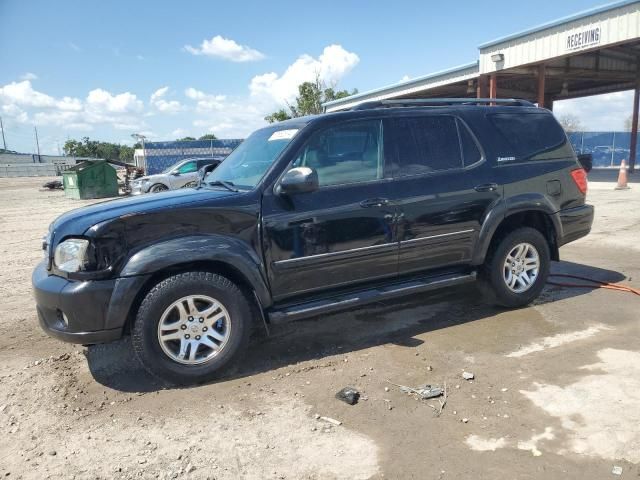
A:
(201, 248)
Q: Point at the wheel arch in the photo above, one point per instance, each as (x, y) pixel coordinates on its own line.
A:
(548, 224)
(225, 256)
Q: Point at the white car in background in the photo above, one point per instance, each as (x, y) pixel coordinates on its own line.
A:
(179, 175)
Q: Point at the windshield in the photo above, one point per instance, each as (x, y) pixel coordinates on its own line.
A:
(247, 164)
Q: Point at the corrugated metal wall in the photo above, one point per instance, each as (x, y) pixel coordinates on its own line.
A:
(615, 26)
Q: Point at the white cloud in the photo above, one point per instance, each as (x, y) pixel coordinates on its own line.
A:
(21, 102)
(330, 67)
(81, 127)
(225, 48)
(15, 112)
(405, 78)
(159, 102)
(100, 100)
(598, 113)
(29, 76)
(74, 47)
(205, 101)
(22, 93)
(179, 133)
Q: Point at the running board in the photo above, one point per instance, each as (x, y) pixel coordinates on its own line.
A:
(289, 313)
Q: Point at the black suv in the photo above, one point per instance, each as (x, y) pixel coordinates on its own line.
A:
(313, 215)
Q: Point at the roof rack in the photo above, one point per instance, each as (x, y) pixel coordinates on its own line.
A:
(436, 102)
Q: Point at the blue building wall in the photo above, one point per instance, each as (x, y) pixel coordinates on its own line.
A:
(607, 148)
(161, 155)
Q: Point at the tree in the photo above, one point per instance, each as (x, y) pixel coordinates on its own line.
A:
(185, 139)
(279, 116)
(311, 96)
(570, 123)
(208, 136)
(96, 149)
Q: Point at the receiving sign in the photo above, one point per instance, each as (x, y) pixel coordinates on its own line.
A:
(588, 37)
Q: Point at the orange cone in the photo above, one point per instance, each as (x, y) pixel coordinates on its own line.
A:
(622, 177)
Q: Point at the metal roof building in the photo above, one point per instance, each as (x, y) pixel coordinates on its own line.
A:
(592, 52)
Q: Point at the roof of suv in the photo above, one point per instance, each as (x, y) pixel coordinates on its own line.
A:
(392, 107)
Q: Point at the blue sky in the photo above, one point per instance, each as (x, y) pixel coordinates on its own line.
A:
(106, 69)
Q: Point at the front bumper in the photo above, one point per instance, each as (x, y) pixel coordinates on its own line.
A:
(138, 189)
(576, 223)
(74, 311)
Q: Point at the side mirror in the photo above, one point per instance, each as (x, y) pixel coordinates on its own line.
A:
(175, 173)
(298, 180)
(204, 171)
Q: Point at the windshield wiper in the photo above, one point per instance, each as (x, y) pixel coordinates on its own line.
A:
(223, 183)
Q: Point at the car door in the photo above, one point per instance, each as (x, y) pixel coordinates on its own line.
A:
(443, 189)
(343, 233)
(186, 173)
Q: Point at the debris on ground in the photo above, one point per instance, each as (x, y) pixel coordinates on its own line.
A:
(330, 420)
(348, 395)
(426, 392)
(468, 375)
(423, 392)
(617, 470)
(53, 185)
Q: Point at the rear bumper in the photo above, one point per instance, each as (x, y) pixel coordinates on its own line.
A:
(576, 223)
(74, 311)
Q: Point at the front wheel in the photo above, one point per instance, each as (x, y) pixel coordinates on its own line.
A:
(191, 327)
(516, 269)
(158, 187)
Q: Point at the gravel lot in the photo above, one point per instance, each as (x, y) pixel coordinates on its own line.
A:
(556, 392)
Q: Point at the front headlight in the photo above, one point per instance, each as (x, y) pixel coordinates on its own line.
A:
(71, 255)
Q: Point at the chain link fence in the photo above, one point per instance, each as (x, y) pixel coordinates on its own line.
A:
(608, 149)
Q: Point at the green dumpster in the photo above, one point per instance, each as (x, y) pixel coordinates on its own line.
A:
(90, 179)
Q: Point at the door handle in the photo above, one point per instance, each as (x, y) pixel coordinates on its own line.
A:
(374, 202)
(486, 187)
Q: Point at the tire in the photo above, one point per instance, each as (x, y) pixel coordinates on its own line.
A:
(506, 289)
(228, 327)
(190, 185)
(158, 187)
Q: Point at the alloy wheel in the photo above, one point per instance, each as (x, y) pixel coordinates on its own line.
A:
(194, 329)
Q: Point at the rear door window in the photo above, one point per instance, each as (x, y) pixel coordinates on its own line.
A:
(424, 144)
(530, 136)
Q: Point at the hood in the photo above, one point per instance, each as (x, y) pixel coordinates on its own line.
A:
(151, 178)
(78, 221)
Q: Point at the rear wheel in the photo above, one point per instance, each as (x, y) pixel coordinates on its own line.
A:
(192, 327)
(516, 269)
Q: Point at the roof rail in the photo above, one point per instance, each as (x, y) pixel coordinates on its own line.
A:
(435, 102)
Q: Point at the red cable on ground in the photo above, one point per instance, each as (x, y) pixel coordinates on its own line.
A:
(598, 284)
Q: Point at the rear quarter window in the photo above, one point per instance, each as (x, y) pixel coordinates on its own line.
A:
(529, 136)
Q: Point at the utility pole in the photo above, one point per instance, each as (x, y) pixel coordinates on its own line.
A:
(4, 142)
(35, 129)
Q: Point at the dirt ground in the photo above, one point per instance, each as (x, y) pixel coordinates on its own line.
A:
(556, 393)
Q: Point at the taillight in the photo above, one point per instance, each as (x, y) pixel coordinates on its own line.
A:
(580, 177)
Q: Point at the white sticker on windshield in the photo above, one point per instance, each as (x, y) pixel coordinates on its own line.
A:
(283, 134)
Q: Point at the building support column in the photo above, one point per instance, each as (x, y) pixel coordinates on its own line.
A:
(483, 90)
(541, 75)
(634, 128)
(493, 86)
